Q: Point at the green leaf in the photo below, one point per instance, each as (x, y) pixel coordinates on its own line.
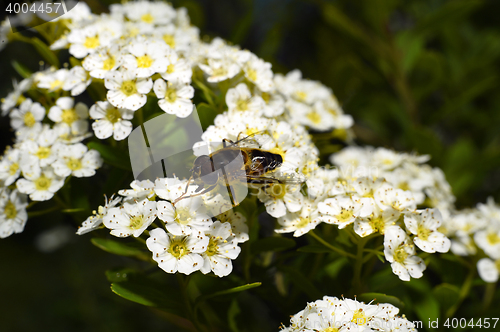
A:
(447, 295)
(147, 295)
(315, 248)
(333, 269)
(74, 62)
(111, 155)
(121, 248)
(227, 291)
(206, 113)
(381, 298)
(425, 304)
(119, 274)
(301, 282)
(45, 52)
(21, 69)
(234, 310)
(272, 243)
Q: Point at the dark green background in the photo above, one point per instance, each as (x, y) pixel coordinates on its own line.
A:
(416, 76)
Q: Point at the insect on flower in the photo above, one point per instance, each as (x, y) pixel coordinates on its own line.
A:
(239, 163)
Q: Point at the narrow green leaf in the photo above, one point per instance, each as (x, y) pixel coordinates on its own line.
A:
(381, 298)
(301, 282)
(120, 248)
(21, 69)
(111, 155)
(228, 291)
(147, 295)
(234, 310)
(333, 269)
(272, 244)
(45, 52)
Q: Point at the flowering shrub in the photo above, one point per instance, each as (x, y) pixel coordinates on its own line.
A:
(145, 59)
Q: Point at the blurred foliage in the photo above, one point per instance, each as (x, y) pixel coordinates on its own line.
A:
(418, 75)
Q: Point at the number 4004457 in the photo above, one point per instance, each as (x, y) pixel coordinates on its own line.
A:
(484, 323)
(44, 7)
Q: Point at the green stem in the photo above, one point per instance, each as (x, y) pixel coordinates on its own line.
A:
(464, 291)
(187, 303)
(329, 246)
(42, 212)
(358, 265)
(489, 293)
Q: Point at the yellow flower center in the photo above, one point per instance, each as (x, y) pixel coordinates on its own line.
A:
(109, 63)
(169, 39)
(147, 18)
(493, 238)
(212, 248)
(423, 233)
(404, 186)
(242, 105)
(252, 75)
(74, 164)
(13, 168)
(344, 215)
(266, 96)
(171, 95)
(400, 255)
(69, 116)
(277, 190)
(377, 224)
(129, 88)
(330, 329)
(303, 222)
(29, 119)
(170, 69)
(359, 317)
(314, 117)
(136, 222)
(144, 61)
(91, 42)
(42, 183)
(10, 210)
(178, 249)
(183, 216)
(221, 71)
(113, 115)
(300, 95)
(56, 85)
(43, 152)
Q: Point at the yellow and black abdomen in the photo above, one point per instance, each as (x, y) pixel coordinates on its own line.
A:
(262, 161)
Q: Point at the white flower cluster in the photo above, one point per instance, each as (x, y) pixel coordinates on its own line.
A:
(188, 239)
(476, 232)
(343, 315)
(47, 146)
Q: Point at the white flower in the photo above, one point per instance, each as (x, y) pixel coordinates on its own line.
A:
(43, 151)
(240, 99)
(259, 72)
(175, 97)
(104, 60)
(10, 166)
(77, 81)
(340, 210)
(13, 215)
(489, 241)
(13, 97)
(69, 119)
(220, 70)
(145, 57)
(424, 225)
(177, 69)
(140, 190)
(87, 39)
(131, 218)
(111, 121)
(27, 119)
(300, 222)
(378, 221)
(274, 103)
(239, 227)
(77, 160)
(188, 215)
(280, 198)
(400, 252)
(41, 183)
(221, 249)
(151, 13)
(177, 253)
(53, 80)
(397, 199)
(488, 270)
(127, 91)
(95, 220)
